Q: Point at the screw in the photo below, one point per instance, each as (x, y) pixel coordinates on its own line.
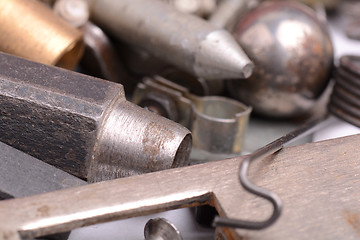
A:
(161, 229)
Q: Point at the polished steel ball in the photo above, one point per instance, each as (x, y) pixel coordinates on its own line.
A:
(293, 56)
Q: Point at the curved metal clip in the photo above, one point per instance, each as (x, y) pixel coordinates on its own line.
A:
(269, 149)
(217, 123)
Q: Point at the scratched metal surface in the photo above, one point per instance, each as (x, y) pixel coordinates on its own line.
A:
(319, 184)
(350, 47)
(46, 106)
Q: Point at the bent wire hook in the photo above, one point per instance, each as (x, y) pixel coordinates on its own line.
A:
(269, 149)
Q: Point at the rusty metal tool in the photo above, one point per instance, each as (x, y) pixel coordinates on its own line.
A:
(83, 125)
(199, 48)
(31, 30)
(320, 191)
(217, 124)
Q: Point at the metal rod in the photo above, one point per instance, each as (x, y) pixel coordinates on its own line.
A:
(199, 48)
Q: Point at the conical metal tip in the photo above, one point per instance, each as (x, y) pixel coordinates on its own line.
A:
(221, 57)
(248, 69)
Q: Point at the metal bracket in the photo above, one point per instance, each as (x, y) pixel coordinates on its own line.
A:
(217, 123)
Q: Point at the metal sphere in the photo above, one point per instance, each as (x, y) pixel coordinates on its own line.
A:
(293, 56)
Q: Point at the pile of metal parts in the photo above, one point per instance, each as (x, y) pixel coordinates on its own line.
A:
(104, 104)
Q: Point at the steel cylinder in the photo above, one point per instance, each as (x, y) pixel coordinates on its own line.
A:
(186, 41)
(140, 141)
(83, 125)
(31, 30)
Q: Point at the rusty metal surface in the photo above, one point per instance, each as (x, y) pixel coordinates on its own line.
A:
(74, 122)
(293, 57)
(320, 203)
(43, 108)
(31, 30)
(133, 141)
